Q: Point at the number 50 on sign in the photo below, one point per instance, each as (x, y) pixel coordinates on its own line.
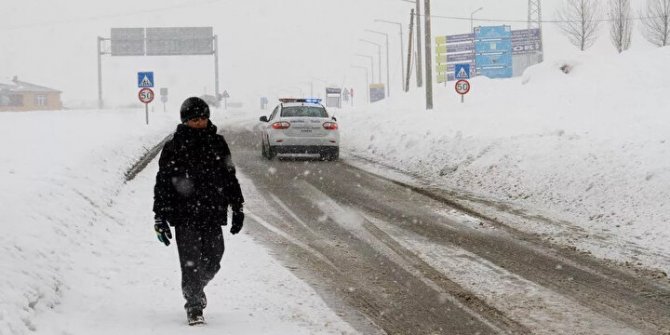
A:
(146, 95)
(462, 88)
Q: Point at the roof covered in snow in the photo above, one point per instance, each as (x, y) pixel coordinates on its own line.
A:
(17, 86)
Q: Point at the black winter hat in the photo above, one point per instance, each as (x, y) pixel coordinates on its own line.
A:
(193, 107)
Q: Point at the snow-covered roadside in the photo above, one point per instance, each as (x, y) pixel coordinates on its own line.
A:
(588, 148)
(58, 172)
(77, 254)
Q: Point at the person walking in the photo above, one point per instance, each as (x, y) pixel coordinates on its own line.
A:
(195, 184)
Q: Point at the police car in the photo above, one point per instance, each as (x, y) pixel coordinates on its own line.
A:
(300, 126)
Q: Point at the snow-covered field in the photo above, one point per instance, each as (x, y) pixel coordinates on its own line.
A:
(78, 254)
(589, 149)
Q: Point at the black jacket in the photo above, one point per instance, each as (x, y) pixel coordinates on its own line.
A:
(196, 178)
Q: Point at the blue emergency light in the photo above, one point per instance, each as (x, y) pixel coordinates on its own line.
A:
(308, 100)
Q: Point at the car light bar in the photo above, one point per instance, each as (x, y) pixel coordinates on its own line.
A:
(304, 100)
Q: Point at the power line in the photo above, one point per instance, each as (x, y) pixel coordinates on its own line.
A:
(541, 21)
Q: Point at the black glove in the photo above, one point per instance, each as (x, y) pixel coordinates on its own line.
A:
(238, 220)
(162, 230)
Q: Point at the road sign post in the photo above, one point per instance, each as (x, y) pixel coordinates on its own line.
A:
(462, 88)
(164, 97)
(225, 97)
(146, 96)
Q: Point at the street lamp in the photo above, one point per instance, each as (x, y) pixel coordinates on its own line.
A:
(367, 80)
(372, 66)
(388, 84)
(379, 56)
(402, 51)
(472, 16)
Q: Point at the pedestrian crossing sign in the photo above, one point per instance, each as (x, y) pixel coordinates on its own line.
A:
(145, 79)
(462, 71)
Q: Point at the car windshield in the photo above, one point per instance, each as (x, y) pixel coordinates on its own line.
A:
(304, 111)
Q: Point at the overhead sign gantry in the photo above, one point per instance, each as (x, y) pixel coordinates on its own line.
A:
(168, 41)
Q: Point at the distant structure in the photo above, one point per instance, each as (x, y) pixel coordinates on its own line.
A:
(22, 96)
(534, 14)
(535, 19)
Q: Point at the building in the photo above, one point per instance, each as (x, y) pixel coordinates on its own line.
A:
(22, 96)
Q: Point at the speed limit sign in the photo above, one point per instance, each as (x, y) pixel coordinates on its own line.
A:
(146, 95)
(462, 87)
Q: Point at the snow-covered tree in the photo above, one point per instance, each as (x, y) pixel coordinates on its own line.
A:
(579, 23)
(656, 22)
(621, 25)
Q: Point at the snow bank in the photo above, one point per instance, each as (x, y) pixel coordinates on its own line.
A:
(58, 172)
(589, 148)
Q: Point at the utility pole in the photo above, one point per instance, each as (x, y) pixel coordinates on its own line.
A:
(409, 50)
(419, 69)
(429, 70)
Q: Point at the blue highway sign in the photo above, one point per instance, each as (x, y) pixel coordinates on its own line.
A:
(493, 51)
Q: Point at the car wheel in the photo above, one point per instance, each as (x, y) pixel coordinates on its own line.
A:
(263, 152)
(271, 152)
(331, 154)
(334, 154)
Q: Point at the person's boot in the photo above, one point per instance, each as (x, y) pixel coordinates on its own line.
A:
(194, 316)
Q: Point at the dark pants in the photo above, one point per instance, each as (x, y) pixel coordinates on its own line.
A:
(200, 251)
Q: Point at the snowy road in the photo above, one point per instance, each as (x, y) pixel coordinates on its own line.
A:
(413, 265)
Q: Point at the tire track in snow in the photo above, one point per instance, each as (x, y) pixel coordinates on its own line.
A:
(540, 309)
(350, 220)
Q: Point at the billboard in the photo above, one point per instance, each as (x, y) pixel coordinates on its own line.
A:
(377, 92)
(333, 90)
(333, 97)
(180, 41)
(528, 41)
(127, 42)
(452, 50)
(493, 51)
(526, 49)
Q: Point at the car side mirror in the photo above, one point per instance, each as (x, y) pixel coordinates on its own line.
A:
(334, 119)
(263, 118)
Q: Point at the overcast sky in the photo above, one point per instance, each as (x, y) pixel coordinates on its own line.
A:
(268, 47)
